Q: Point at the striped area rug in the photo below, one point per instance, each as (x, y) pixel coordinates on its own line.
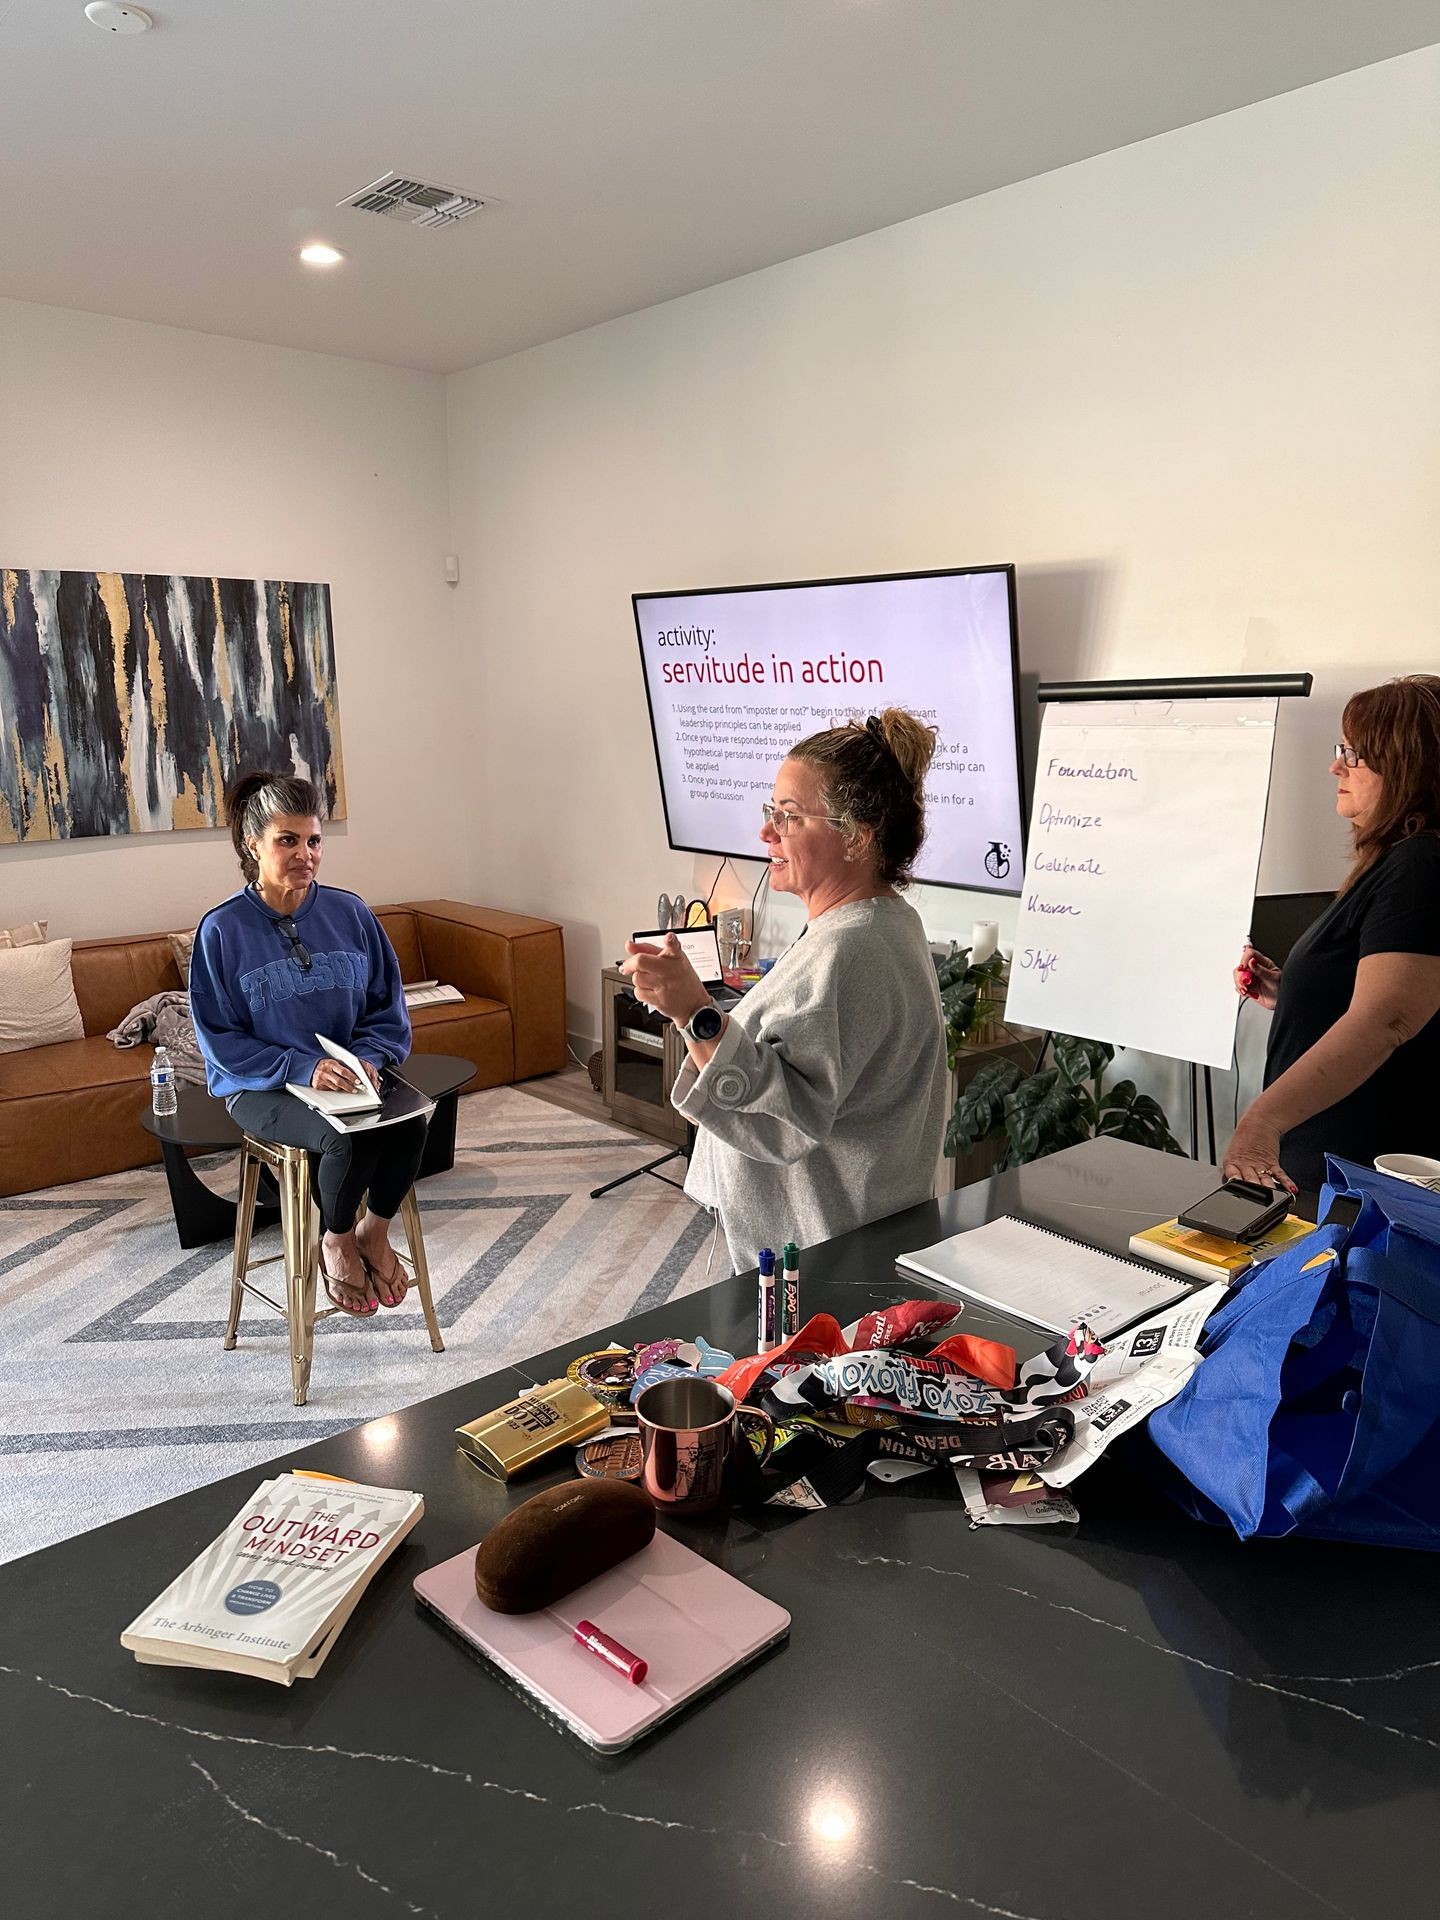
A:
(114, 1388)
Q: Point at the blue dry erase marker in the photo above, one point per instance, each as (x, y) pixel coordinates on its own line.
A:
(767, 1301)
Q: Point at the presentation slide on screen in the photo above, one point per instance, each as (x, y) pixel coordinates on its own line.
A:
(736, 678)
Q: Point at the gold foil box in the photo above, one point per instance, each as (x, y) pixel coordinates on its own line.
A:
(515, 1436)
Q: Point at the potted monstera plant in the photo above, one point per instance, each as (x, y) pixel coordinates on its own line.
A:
(1028, 1112)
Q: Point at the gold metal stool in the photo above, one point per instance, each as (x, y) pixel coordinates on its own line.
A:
(301, 1239)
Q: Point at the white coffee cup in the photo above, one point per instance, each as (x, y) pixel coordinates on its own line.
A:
(1413, 1167)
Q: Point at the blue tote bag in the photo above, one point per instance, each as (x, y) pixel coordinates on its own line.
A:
(1317, 1408)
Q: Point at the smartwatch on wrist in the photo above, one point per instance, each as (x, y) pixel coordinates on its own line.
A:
(705, 1023)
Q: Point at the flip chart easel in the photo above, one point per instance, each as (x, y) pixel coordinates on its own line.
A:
(1142, 859)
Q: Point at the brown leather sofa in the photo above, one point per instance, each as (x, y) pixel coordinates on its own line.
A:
(72, 1111)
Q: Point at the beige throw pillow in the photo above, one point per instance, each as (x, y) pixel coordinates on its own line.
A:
(182, 945)
(30, 935)
(37, 997)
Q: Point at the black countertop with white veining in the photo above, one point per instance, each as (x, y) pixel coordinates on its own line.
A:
(1137, 1717)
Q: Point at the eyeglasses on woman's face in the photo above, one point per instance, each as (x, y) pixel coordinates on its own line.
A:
(1348, 754)
(782, 819)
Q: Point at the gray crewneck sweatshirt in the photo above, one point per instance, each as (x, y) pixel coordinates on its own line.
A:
(824, 1103)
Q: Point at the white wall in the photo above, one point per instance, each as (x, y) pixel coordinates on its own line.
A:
(1190, 387)
(143, 448)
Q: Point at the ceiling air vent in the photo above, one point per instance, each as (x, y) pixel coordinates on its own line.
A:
(416, 202)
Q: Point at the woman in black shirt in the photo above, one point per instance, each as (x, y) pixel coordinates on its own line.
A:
(1353, 1064)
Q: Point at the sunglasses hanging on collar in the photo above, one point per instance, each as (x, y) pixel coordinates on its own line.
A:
(298, 950)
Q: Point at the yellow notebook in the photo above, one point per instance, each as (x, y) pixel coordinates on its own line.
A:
(1208, 1257)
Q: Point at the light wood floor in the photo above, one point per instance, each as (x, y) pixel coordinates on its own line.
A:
(572, 1090)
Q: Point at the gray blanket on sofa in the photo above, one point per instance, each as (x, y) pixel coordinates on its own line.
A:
(164, 1021)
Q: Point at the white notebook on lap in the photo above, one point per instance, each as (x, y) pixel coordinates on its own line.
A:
(326, 1102)
(395, 1102)
(1045, 1278)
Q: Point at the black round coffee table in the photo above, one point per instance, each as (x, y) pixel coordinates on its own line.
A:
(201, 1124)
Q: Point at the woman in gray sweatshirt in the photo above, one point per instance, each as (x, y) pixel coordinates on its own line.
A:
(820, 1100)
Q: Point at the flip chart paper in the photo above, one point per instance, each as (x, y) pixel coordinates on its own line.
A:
(1140, 877)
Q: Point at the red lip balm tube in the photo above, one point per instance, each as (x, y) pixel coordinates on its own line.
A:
(611, 1652)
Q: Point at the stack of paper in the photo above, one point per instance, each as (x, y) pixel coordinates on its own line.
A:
(1134, 1377)
(1208, 1257)
(430, 993)
(269, 1596)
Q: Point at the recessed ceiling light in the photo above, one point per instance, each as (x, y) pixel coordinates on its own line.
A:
(117, 19)
(320, 254)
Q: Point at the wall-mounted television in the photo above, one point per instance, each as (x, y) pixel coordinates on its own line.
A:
(735, 676)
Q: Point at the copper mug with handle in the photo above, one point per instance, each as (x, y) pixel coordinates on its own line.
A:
(687, 1431)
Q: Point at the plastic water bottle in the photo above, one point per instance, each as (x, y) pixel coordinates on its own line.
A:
(162, 1083)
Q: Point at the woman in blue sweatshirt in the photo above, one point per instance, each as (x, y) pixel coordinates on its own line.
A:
(277, 964)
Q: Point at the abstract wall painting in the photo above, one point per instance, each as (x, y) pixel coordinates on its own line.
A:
(128, 701)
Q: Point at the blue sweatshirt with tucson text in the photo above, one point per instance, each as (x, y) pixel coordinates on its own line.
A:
(258, 1010)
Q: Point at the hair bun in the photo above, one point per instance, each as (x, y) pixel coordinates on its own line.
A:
(910, 741)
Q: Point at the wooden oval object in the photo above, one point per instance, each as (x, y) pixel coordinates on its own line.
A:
(556, 1541)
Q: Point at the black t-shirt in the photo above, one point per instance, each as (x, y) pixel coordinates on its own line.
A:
(1394, 908)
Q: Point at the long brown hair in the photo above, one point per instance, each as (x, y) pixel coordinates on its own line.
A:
(1395, 729)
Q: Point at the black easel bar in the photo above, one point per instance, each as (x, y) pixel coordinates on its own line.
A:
(1210, 1113)
(1220, 686)
(1195, 1112)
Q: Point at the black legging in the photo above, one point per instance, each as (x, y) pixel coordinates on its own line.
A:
(382, 1161)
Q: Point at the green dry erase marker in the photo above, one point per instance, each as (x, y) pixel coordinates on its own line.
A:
(790, 1291)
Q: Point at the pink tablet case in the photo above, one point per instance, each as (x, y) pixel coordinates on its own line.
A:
(691, 1622)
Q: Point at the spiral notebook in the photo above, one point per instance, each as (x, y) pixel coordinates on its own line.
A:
(1046, 1278)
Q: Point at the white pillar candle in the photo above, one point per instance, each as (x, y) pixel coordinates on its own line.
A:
(984, 939)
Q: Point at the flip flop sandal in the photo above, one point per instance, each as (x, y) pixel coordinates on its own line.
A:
(355, 1313)
(385, 1282)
